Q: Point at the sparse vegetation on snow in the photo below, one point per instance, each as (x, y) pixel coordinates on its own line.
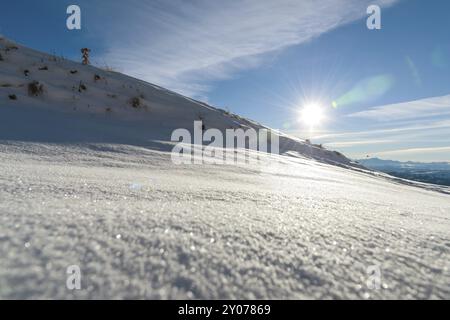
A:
(35, 89)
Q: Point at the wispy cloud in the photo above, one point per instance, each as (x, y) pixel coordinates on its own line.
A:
(414, 151)
(425, 108)
(394, 128)
(184, 45)
(344, 144)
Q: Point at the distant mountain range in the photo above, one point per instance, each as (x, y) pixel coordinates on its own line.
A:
(432, 172)
(398, 165)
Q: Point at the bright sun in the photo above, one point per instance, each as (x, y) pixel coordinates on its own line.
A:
(312, 114)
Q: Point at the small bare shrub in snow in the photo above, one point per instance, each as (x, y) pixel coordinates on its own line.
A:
(85, 55)
(201, 118)
(97, 77)
(11, 47)
(81, 87)
(26, 73)
(35, 89)
(12, 97)
(135, 102)
(73, 71)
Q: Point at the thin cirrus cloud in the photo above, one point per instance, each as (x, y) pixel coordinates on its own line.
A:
(418, 129)
(392, 129)
(185, 45)
(379, 135)
(395, 132)
(425, 108)
(352, 143)
(433, 150)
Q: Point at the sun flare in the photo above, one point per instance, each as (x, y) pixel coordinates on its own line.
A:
(312, 114)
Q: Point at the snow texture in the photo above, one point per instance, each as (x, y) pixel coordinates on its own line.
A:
(80, 185)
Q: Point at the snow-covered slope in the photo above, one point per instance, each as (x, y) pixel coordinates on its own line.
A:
(116, 100)
(83, 185)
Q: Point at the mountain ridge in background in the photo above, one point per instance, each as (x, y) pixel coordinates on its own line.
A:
(427, 172)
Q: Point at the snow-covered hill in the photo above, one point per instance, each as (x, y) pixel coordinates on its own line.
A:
(86, 179)
(114, 100)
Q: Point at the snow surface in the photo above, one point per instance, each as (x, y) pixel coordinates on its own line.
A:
(82, 186)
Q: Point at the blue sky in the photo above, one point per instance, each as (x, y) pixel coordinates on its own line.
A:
(384, 93)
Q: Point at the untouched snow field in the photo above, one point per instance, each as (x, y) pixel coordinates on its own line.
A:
(80, 185)
(140, 227)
